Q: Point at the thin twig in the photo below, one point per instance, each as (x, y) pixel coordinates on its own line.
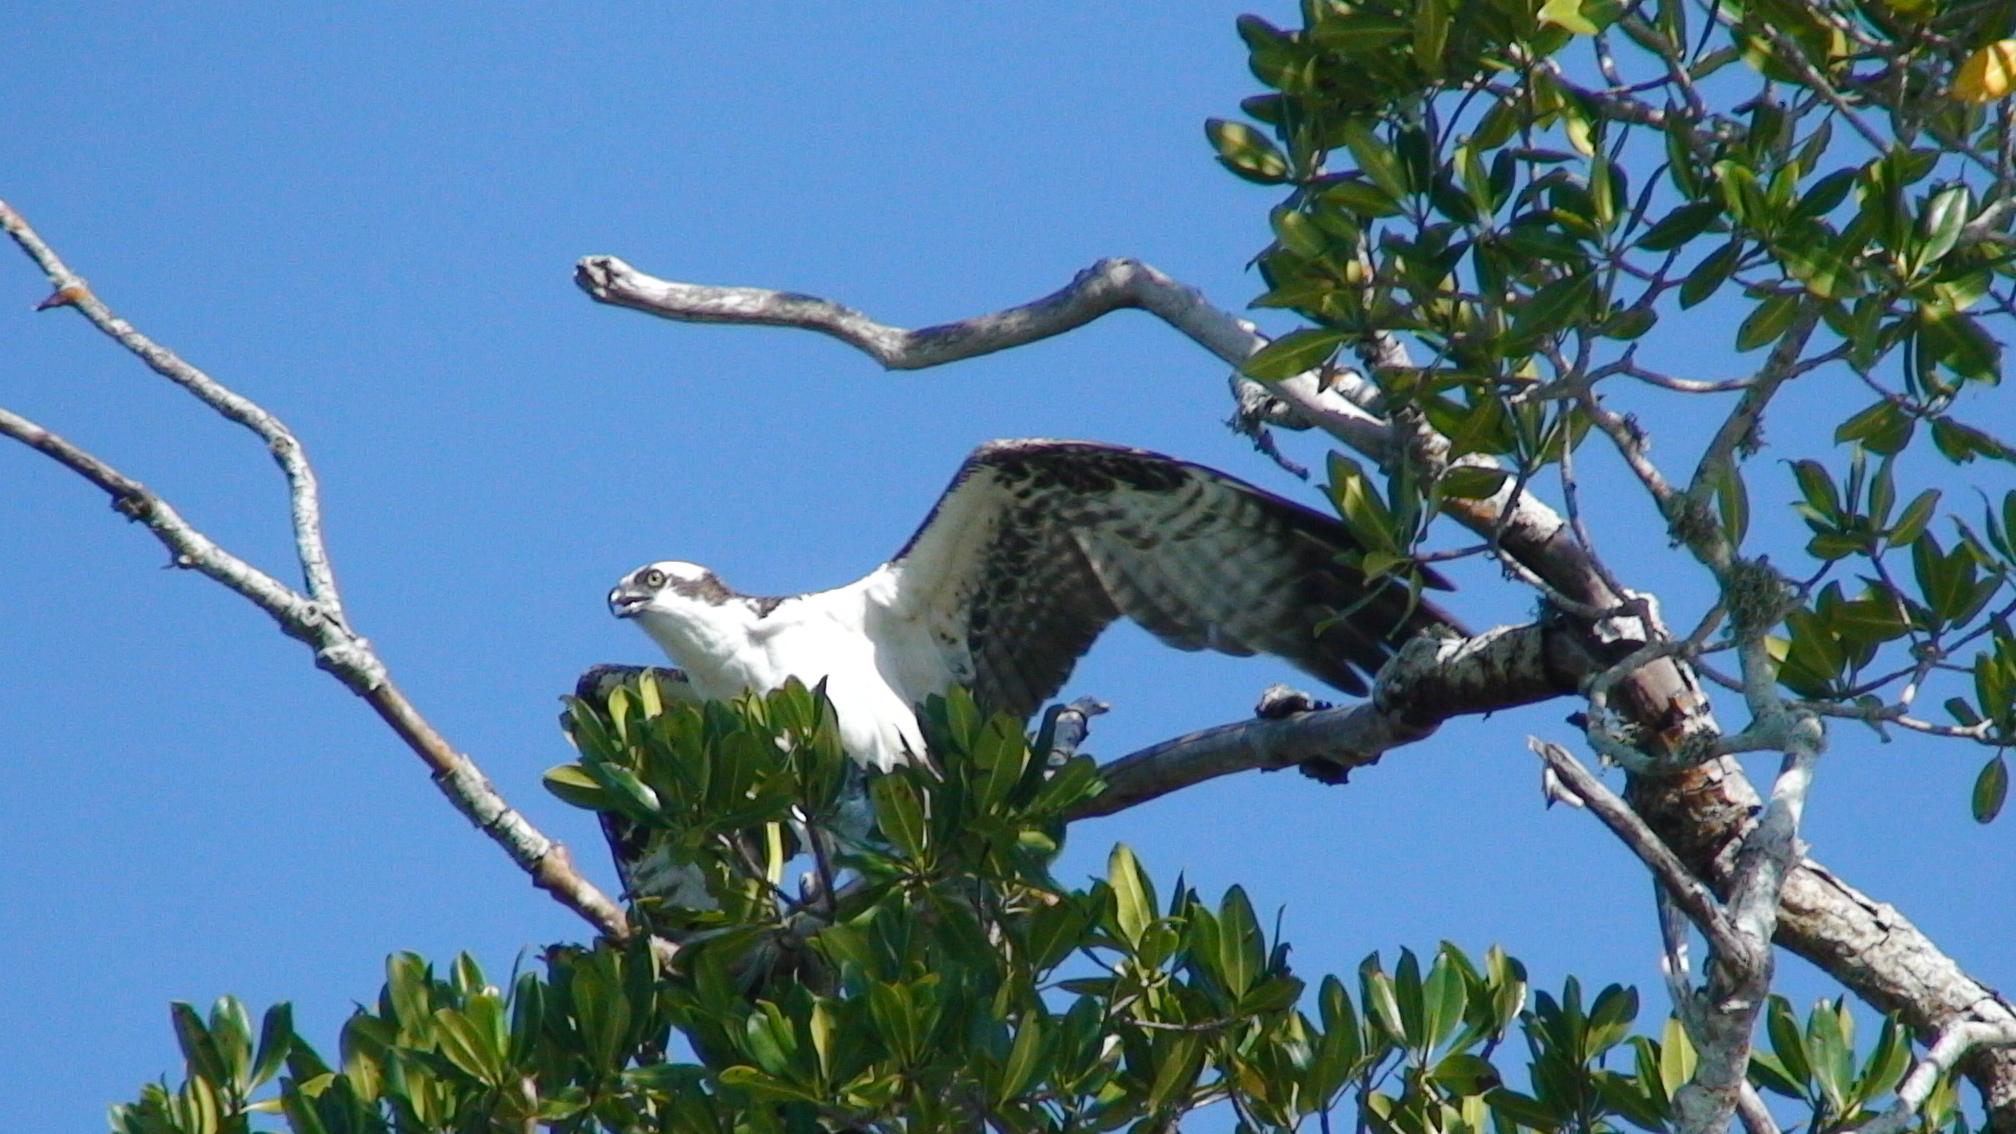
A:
(304, 497)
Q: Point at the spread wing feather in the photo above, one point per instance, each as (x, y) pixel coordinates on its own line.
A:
(1038, 545)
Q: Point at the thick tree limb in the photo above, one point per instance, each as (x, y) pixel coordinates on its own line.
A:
(315, 617)
(1433, 680)
(1107, 286)
(1703, 813)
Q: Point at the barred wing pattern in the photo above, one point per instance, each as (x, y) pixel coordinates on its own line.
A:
(1037, 546)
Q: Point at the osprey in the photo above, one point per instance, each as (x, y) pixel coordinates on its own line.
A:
(1034, 548)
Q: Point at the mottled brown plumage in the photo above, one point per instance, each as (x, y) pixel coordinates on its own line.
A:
(1037, 546)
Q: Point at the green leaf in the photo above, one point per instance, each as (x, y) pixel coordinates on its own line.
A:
(1054, 932)
(1610, 1017)
(1819, 258)
(231, 1032)
(199, 1051)
(1825, 194)
(1945, 216)
(1376, 993)
(1472, 482)
(1680, 226)
(1293, 353)
(1676, 1056)
(1881, 428)
(1710, 273)
(1133, 898)
(1960, 444)
(1768, 321)
(1246, 152)
(1568, 14)
(1375, 158)
(1408, 993)
(1025, 1058)
(1443, 999)
(1887, 1062)
(1431, 35)
(1991, 788)
(1554, 308)
(1869, 620)
(1832, 1051)
(899, 812)
(1911, 523)
(1959, 343)
(297, 1103)
(1732, 503)
(768, 1039)
(631, 795)
(1787, 1041)
(1176, 1069)
(468, 1047)
(276, 1039)
(754, 1081)
(1360, 197)
(1359, 506)
(1241, 952)
(1465, 1073)
(1525, 1110)
(1817, 487)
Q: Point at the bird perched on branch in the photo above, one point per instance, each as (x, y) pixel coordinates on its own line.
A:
(1035, 548)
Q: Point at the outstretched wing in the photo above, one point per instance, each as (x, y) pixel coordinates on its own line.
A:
(1038, 545)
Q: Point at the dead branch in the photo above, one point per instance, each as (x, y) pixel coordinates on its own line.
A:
(315, 617)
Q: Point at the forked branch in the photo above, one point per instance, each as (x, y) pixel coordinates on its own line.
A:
(315, 617)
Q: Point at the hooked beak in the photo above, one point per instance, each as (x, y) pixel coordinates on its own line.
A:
(625, 603)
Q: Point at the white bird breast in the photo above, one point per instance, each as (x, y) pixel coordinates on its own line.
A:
(877, 662)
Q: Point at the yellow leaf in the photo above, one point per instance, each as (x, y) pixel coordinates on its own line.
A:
(1988, 74)
(1568, 14)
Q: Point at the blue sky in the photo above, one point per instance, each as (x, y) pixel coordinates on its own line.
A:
(367, 221)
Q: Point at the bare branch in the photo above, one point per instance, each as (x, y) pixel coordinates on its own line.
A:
(1750, 1108)
(187, 547)
(1686, 891)
(1739, 432)
(304, 498)
(1433, 680)
(1107, 286)
(1719, 1018)
(315, 620)
(1955, 1042)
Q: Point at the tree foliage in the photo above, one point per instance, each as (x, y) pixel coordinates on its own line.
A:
(1527, 191)
(952, 977)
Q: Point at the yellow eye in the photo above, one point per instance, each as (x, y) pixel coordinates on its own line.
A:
(652, 579)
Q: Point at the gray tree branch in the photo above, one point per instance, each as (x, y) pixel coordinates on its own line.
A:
(314, 618)
(1432, 681)
(304, 498)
